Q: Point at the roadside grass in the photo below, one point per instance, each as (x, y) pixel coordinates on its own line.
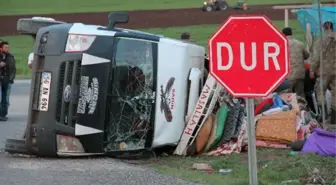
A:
(21, 46)
(275, 166)
(20, 7)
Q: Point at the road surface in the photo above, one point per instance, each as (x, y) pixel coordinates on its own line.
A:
(16, 170)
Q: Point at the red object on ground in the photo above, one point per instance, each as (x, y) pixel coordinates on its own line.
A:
(249, 56)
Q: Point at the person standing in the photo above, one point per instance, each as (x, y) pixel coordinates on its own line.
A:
(185, 36)
(298, 53)
(2, 58)
(329, 65)
(7, 76)
(328, 28)
(30, 60)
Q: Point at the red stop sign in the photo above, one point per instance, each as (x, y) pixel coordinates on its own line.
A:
(249, 56)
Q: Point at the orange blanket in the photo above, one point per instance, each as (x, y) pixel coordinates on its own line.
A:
(277, 128)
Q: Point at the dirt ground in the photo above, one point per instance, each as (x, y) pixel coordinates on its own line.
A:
(151, 18)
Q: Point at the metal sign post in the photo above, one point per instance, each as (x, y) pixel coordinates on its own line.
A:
(233, 50)
(252, 151)
(321, 65)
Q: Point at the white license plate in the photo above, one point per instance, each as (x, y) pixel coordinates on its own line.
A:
(44, 91)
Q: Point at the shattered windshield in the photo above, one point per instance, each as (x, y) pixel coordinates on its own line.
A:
(132, 98)
(135, 54)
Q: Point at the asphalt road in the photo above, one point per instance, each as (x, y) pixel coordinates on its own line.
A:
(15, 170)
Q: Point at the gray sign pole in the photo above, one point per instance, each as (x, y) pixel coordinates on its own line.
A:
(321, 65)
(252, 151)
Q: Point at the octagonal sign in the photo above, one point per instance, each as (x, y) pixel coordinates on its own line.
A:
(249, 56)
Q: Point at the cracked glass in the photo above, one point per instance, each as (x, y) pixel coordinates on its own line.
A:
(132, 98)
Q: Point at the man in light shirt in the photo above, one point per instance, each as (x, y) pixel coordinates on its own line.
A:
(31, 56)
(30, 60)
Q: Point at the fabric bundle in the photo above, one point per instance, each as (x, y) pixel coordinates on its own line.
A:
(233, 134)
(277, 129)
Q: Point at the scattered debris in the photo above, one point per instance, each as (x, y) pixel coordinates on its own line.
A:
(292, 153)
(290, 181)
(225, 171)
(203, 167)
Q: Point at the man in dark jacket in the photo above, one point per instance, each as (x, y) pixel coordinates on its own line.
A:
(7, 76)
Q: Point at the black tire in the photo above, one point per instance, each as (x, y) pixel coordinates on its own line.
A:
(29, 26)
(223, 6)
(16, 146)
(208, 8)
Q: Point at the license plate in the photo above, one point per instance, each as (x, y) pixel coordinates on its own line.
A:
(44, 91)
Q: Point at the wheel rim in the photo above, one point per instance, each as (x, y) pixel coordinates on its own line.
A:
(208, 8)
(224, 7)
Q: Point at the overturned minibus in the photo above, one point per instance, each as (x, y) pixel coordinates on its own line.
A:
(99, 90)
